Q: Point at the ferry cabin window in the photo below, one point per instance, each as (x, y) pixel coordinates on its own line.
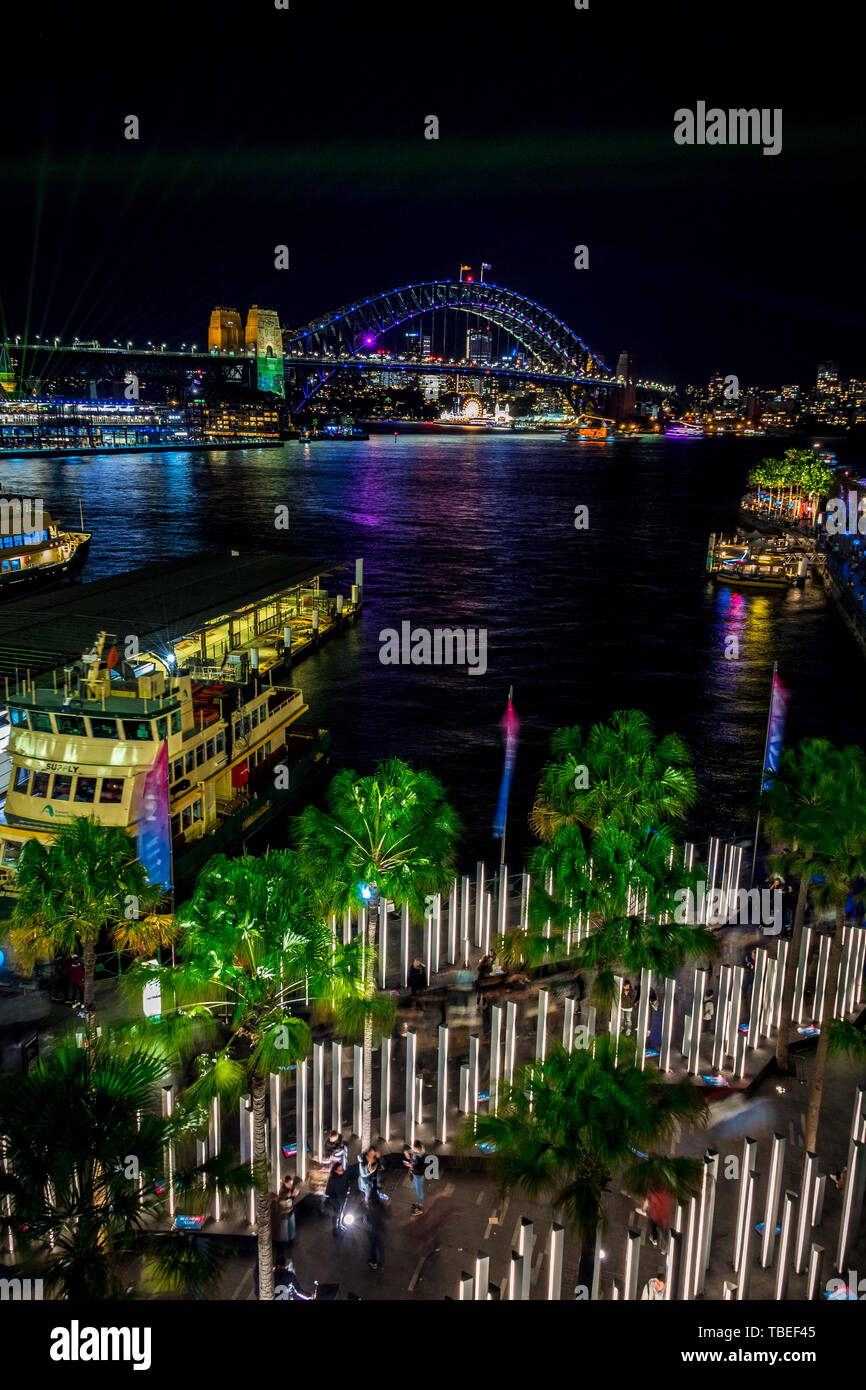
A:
(14, 563)
(177, 770)
(175, 827)
(111, 790)
(209, 749)
(70, 724)
(199, 755)
(40, 722)
(102, 728)
(85, 789)
(267, 749)
(263, 712)
(190, 761)
(220, 742)
(255, 719)
(22, 777)
(18, 716)
(175, 722)
(136, 729)
(186, 817)
(40, 784)
(162, 729)
(196, 810)
(62, 786)
(12, 852)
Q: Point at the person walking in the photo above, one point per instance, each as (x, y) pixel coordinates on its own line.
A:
(659, 1209)
(627, 1008)
(287, 1195)
(464, 984)
(709, 1010)
(337, 1195)
(335, 1151)
(75, 975)
(375, 1221)
(417, 978)
(414, 1163)
(370, 1172)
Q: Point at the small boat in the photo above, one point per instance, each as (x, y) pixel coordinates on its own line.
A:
(683, 429)
(35, 552)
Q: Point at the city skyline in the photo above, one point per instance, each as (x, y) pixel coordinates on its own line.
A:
(699, 258)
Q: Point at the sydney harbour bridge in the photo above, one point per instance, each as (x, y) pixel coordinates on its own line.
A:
(358, 337)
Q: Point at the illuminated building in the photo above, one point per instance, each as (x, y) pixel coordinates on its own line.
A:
(264, 337)
(479, 345)
(225, 331)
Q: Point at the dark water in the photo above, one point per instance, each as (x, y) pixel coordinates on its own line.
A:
(479, 532)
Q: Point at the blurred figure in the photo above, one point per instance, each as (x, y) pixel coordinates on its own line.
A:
(375, 1222)
(627, 1008)
(370, 1174)
(337, 1195)
(413, 1162)
(464, 985)
(335, 1151)
(654, 1289)
(660, 1210)
(417, 978)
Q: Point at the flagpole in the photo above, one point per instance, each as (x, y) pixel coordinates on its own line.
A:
(505, 817)
(763, 772)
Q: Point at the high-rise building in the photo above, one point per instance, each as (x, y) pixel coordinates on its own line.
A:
(264, 337)
(625, 369)
(827, 371)
(479, 345)
(225, 332)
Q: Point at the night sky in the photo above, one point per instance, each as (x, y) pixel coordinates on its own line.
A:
(305, 127)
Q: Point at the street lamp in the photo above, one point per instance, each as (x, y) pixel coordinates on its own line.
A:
(128, 344)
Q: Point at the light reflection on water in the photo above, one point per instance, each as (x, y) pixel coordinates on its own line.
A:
(479, 532)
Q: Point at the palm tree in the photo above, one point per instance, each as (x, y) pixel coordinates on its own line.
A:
(619, 771)
(630, 888)
(85, 1179)
(394, 831)
(571, 1124)
(839, 860)
(253, 946)
(84, 883)
(795, 806)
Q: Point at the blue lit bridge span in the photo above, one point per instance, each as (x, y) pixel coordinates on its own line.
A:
(355, 337)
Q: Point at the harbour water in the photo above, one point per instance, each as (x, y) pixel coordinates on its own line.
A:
(478, 531)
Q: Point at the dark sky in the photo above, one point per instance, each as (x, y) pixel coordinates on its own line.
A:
(305, 127)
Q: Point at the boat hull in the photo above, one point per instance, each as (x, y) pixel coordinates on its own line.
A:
(15, 582)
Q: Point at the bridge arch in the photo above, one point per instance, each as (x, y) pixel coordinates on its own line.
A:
(540, 332)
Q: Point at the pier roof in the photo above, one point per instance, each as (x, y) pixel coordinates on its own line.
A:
(158, 603)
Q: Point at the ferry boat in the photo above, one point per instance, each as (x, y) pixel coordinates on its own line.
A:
(683, 429)
(742, 564)
(190, 767)
(593, 427)
(38, 557)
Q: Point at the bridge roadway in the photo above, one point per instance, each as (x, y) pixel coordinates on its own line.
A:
(293, 361)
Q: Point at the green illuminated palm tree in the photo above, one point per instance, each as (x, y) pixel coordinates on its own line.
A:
(83, 885)
(395, 830)
(630, 889)
(572, 1124)
(85, 1178)
(254, 946)
(618, 772)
